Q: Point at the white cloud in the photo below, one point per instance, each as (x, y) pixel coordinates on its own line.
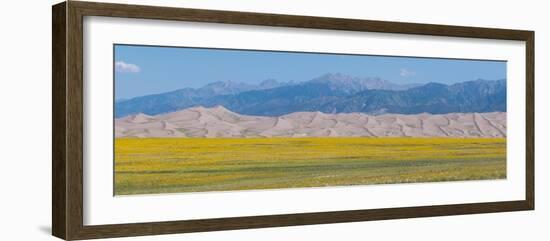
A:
(123, 67)
(405, 72)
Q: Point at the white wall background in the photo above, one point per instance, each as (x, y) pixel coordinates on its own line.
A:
(25, 120)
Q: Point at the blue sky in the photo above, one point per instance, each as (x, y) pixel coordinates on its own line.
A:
(143, 70)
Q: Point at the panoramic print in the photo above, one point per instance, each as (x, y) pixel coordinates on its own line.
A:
(201, 119)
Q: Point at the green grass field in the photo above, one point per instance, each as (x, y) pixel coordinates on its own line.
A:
(169, 165)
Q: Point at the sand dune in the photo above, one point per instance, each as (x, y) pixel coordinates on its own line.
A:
(220, 122)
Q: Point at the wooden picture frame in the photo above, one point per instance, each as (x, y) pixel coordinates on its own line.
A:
(67, 152)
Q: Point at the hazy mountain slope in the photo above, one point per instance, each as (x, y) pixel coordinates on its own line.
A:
(336, 84)
(220, 122)
(328, 94)
(350, 85)
(188, 97)
(434, 98)
(470, 96)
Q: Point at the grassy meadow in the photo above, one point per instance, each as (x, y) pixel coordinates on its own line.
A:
(171, 165)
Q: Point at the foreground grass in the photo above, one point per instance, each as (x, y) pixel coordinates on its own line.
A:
(158, 165)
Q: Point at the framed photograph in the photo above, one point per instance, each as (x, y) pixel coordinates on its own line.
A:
(171, 120)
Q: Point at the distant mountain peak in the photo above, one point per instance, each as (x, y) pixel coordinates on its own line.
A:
(227, 84)
(269, 83)
(434, 84)
(334, 77)
(350, 84)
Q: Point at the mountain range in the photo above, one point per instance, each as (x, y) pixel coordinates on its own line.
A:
(330, 93)
(220, 122)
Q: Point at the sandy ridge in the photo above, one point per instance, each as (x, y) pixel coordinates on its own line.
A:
(220, 122)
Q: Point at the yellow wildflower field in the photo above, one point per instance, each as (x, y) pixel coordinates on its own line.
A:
(172, 165)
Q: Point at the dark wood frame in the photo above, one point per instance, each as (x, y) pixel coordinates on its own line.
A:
(67, 139)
